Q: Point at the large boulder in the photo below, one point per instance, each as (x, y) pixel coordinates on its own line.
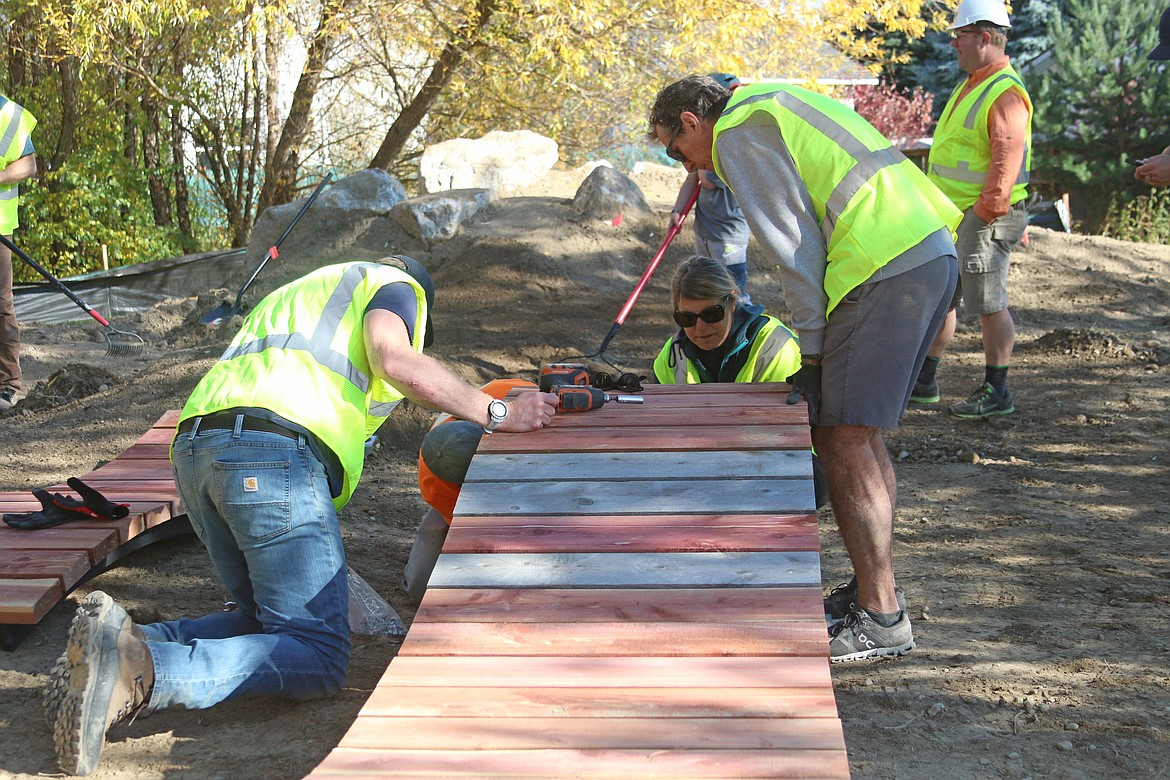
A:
(605, 193)
(498, 161)
(361, 196)
(437, 217)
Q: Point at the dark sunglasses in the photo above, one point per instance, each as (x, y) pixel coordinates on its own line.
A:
(671, 152)
(709, 315)
(627, 383)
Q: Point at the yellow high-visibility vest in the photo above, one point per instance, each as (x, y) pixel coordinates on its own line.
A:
(871, 202)
(301, 353)
(16, 125)
(774, 356)
(960, 155)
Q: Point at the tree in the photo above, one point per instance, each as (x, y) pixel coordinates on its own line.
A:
(1101, 101)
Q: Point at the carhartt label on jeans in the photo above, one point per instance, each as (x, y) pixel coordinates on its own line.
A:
(251, 484)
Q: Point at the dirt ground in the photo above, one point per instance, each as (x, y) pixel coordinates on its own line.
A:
(1033, 547)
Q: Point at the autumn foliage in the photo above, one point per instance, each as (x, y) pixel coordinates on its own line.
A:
(899, 115)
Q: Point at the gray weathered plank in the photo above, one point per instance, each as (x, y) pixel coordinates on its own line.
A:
(626, 570)
(570, 466)
(726, 496)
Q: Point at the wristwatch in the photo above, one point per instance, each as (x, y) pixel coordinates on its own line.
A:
(497, 413)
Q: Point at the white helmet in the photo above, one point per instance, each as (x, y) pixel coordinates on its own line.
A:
(971, 11)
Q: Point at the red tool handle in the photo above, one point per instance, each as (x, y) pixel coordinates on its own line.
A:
(670, 234)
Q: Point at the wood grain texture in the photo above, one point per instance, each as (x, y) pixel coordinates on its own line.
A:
(623, 570)
(605, 605)
(630, 592)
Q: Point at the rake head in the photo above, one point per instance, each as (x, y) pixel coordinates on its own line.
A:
(121, 343)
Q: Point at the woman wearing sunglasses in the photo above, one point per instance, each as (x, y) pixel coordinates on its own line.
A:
(721, 339)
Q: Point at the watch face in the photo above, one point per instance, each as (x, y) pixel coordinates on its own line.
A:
(497, 411)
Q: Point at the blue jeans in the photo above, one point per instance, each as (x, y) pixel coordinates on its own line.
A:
(260, 504)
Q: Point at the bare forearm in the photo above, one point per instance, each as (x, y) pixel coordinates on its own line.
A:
(19, 170)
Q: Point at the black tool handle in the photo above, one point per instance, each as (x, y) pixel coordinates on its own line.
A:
(60, 285)
(273, 250)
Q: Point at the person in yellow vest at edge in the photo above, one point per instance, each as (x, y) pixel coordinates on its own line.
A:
(722, 339)
(443, 460)
(863, 243)
(18, 162)
(269, 446)
(981, 158)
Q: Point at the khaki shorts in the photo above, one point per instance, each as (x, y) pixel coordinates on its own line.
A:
(984, 258)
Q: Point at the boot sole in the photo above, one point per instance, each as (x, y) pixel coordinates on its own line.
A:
(91, 662)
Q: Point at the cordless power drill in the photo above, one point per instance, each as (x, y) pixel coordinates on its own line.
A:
(582, 398)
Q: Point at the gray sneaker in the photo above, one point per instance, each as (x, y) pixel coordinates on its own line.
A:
(7, 399)
(925, 394)
(984, 402)
(843, 599)
(858, 636)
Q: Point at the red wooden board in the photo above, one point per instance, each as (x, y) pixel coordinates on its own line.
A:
(731, 672)
(680, 605)
(358, 764)
(796, 534)
(678, 639)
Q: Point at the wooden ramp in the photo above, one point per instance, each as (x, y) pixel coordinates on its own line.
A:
(39, 568)
(631, 592)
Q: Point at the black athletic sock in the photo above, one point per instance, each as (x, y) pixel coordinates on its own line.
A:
(996, 376)
(929, 367)
(885, 619)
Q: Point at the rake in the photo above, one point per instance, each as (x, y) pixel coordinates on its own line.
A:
(118, 342)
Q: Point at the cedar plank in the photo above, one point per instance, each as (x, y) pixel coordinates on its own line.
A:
(610, 639)
(595, 733)
(668, 702)
(25, 602)
(358, 764)
(96, 542)
(650, 538)
(728, 672)
(69, 567)
(634, 605)
(663, 438)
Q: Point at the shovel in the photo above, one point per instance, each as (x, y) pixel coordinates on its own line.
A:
(118, 342)
(225, 311)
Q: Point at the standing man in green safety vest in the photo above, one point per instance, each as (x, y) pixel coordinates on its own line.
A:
(863, 243)
(269, 446)
(18, 161)
(981, 158)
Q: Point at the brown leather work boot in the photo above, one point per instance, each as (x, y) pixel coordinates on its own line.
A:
(110, 675)
(58, 685)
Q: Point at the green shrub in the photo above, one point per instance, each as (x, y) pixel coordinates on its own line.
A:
(1145, 218)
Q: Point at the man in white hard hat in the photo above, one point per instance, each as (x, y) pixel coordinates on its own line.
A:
(1155, 170)
(981, 159)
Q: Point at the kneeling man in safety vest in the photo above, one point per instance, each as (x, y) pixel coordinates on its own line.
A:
(864, 244)
(269, 446)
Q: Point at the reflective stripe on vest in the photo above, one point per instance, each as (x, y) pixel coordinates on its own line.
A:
(17, 124)
(766, 361)
(963, 178)
(866, 162)
(320, 343)
(315, 373)
(871, 202)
